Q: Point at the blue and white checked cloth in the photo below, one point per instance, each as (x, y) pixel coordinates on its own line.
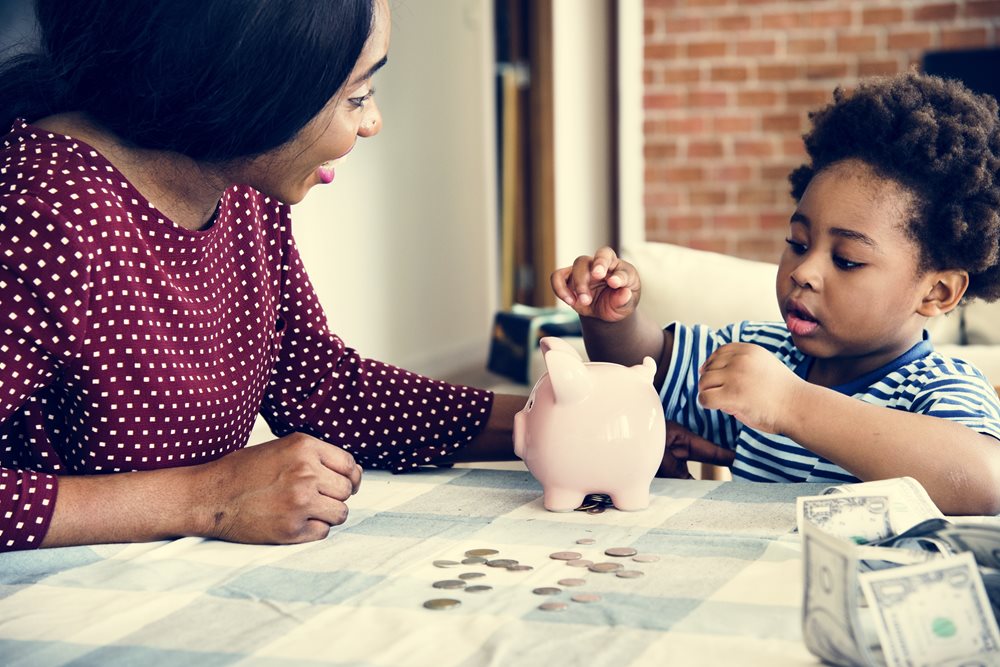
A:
(727, 589)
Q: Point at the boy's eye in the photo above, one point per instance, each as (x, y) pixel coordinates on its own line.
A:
(797, 248)
(359, 102)
(845, 264)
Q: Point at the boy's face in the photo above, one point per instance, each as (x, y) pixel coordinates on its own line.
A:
(849, 284)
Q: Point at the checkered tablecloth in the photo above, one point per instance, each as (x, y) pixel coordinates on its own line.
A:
(727, 589)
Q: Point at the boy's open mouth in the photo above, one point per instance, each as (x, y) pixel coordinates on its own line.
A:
(799, 320)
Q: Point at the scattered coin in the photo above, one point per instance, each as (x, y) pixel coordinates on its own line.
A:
(582, 562)
(502, 562)
(572, 582)
(595, 510)
(586, 540)
(620, 552)
(565, 555)
(553, 606)
(446, 563)
(482, 588)
(465, 576)
(473, 560)
(547, 590)
(630, 574)
(520, 568)
(646, 558)
(449, 583)
(442, 603)
(586, 597)
(605, 567)
(481, 552)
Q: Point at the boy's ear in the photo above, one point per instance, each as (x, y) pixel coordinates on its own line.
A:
(946, 289)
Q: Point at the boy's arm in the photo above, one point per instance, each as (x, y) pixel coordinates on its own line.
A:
(959, 467)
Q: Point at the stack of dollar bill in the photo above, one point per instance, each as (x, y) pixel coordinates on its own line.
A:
(890, 581)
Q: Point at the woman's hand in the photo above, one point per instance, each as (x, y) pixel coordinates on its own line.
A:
(748, 382)
(684, 446)
(285, 491)
(603, 286)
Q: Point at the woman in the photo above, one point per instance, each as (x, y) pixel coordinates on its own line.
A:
(153, 297)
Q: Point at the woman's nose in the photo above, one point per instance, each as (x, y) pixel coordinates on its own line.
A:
(372, 122)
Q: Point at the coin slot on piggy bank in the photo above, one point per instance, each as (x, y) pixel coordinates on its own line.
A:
(591, 427)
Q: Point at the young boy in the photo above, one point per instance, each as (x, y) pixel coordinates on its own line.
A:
(898, 220)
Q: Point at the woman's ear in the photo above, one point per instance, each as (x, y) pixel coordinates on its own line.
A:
(946, 290)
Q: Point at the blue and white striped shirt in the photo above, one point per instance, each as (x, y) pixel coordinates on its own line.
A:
(920, 380)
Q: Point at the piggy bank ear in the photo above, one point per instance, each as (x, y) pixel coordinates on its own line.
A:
(553, 343)
(647, 369)
(571, 383)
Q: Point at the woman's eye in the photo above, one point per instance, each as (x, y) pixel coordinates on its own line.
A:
(797, 248)
(845, 264)
(359, 102)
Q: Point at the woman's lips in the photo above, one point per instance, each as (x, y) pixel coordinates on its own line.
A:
(325, 172)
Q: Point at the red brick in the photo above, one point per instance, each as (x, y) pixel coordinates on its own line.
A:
(684, 174)
(808, 98)
(778, 72)
(753, 148)
(881, 15)
(940, 12)
(834, 18)
(776, 219)
(731, 173)
(705, 3)
(706, 98)
(807, 46)
(782, 21)
(756, 98)
(777, 172)
(702, 149)
(878, 67)
(712, 197)
(730, 221)
(856, 43)
(662, 101)
(682, 75)
(649, 26)
(661, 51)
(782, 122)
(732, 73)
(793, 146)
(760, 195)
(667, 199)
(983, 9)
(682, 24)
(756, 47)
(732, 23)
(705, 49)
(650, 76)
(659, 151)
(764, 247)
(683, 222)
(964, 38)
(831, 70)
(910, 39)
(689, 125)
(710, 244)
(732, 124)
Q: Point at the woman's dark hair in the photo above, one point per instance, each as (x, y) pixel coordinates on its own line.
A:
(939, 140)
(211, 79)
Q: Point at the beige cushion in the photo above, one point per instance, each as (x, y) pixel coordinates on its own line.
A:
(982, 323)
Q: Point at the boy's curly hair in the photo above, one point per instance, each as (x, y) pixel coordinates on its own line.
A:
(939, 140)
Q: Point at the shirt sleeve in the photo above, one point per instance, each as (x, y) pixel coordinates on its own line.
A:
(963, 395)
(679, 395)
(386, 417)
(44, 278)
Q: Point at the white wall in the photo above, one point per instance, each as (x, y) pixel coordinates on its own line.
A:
(631, 165)
(401, 246)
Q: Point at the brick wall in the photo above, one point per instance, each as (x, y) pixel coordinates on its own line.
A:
(728, 86)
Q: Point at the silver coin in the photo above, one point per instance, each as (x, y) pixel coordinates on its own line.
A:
(547, 590)
(565, 555)
(572, 582)
(553, 606)
(595, 510)
(630, 574)
(586, 540)
(646, 558)
(449, 583)
(478, 589)
(446, 563)
(519, 568)
(501, 562)
(586, 597)
(465, 576)
(580, 563)
(473, 560)
(481, 552)
(442, 603)
(605, 567)
(620, 552)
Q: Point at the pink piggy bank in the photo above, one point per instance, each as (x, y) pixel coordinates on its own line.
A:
(591, 428)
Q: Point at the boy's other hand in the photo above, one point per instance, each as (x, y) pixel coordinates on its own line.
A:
(748, 382)
(604, 286)
(684, 446)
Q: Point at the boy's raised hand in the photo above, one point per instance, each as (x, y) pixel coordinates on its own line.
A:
(748, 382)
(604, 286)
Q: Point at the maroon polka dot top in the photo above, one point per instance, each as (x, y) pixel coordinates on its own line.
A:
(130, 343)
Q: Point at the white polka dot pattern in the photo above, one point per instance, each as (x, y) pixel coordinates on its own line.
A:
(130, 343)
